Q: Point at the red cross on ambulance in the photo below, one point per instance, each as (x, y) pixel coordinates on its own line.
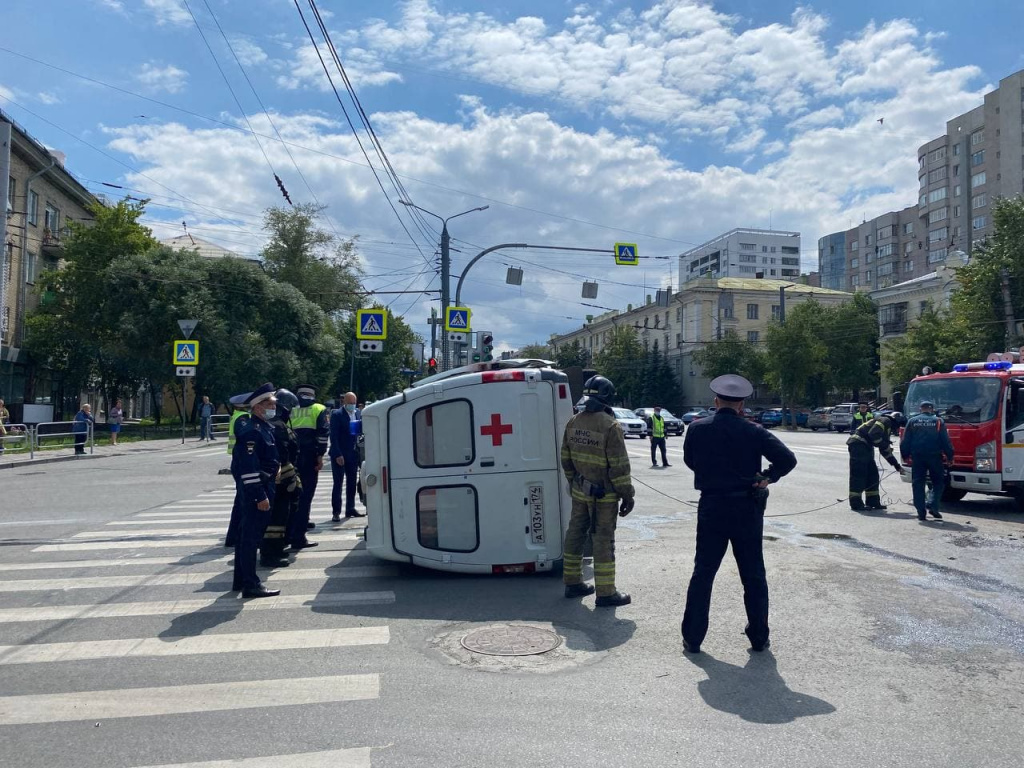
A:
(496, 430)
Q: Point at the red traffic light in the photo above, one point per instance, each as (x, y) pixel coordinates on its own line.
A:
(433, 362)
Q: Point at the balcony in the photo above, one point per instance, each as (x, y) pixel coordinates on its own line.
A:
(52, 245)
(894, 327)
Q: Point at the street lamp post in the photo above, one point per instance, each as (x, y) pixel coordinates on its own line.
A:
(446, 263)
(782, 321)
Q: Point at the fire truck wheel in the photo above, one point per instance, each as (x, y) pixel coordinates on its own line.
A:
(953, 494)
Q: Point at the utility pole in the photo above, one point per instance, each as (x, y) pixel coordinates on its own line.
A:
(5, 174)
(1011, 325)
(782, 321)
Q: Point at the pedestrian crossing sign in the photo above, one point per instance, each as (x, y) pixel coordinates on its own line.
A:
(626, 255)
(372, 324)
(457, 319)
(186, 352)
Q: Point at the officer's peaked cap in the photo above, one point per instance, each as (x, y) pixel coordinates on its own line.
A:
(305, 390)
(732, 387)
(262, 393)
(927, 404)
(240, 400)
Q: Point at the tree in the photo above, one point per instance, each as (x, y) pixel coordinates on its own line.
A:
(659, 384)
(795, 351)
(621, 360)
(572, 355)
(535, 351)
(731, 354)
(378, 374)
(850, 333)
(323, 267)
(938, 339)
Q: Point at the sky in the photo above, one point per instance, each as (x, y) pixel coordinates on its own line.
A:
(578, 124)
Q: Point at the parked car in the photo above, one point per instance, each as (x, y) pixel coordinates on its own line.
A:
(632, 425)
(673, 425)
(842, 416)
(819, 419)
(773, 417)
(698, 413)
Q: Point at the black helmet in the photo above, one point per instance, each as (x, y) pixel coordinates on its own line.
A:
(286, 401)
(599, 391)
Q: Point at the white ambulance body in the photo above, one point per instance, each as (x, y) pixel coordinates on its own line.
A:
(462, 471)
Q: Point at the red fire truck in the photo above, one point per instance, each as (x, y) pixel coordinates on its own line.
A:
(982, 404)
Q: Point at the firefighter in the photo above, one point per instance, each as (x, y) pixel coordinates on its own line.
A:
(860, 417)
(725, 453)
(656, 424)
(926, 442)
(254, 466)
(309, 421)
(596, 464)
(238, 404)
(287, 486)
(873, 433)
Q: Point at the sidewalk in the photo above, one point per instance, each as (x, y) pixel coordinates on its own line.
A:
(10, 460)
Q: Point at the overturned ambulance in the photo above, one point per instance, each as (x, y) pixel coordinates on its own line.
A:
(462, 471)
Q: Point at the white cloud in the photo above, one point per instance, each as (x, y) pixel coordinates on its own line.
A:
(305, 69)
(6, 93)
(47, 98)
(157, 78)
(248, 52)
(168, 11)
(113, 5)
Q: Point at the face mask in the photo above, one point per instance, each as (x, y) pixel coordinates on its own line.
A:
(350, 407)
(269, 414)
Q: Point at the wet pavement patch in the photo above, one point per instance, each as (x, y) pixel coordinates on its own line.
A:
(831, 536)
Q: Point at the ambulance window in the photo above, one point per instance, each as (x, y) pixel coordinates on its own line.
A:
(443, 434)
(446, 518)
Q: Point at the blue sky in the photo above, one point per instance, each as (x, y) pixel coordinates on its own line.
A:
(579, 124)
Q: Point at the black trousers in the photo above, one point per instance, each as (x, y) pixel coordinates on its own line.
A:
(658, 442)
(251, 526)
(80, 442)
(927, 467)
(346, 475)
(298, 522)
(863, 473)
(724, 520)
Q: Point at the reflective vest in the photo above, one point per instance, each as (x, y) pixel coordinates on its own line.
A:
(305, 417)
(231, 429)
(657, 426)
(312, 427)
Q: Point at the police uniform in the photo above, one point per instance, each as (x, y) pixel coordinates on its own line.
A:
(859, 419)
(254, 466)
(925, 441)
(310, 422)
(287, 489)
(657, 427)
(725, 452)
(872, 434)
(596, 464)
(238, 403)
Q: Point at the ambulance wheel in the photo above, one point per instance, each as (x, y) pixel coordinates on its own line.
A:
(953, 494)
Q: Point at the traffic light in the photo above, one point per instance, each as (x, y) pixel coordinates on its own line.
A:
(432, 366)
(487, 345)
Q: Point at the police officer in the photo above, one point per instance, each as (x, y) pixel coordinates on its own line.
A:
(926, 443)
(344, 456)
(239, 408)
(309, 421)
(287, 488)
(656, 424)
(596, 464)
(860, 417)
(724, 452)
(873, 433)
(254, 466)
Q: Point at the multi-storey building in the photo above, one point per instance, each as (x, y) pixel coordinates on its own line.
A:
(880, 252)
(744, 253)
(42, 198)
(699, 314)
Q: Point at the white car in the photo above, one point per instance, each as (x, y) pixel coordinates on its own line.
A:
(632, 425)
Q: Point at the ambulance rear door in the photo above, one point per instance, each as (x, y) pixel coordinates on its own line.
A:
(477, 483)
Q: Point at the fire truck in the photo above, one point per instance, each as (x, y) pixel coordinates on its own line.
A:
(982, 404)
(462, 471)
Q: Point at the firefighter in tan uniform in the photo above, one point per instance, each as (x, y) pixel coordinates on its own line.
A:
(596, 464)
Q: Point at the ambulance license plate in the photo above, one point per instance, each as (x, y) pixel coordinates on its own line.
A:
(537, 514)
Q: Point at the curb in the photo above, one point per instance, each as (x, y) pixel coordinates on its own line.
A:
(51, 460)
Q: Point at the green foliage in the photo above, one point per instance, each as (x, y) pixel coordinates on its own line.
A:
(938, 339)
(621, 360)
(376, 374)
(850, 333)
(731, 354)
(535, 351)
(660, 385)
(570, 355)
(322, 267)
(795, 351)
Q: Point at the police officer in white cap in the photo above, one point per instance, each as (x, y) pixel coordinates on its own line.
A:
(725, 453)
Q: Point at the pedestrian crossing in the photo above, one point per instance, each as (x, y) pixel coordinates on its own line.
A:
(145, 600)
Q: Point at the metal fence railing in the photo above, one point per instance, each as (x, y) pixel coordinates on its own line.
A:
(61, 434)
(219, 423)
(17, 438)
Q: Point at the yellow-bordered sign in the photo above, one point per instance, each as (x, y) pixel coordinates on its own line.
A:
(457, 319)
(627, 255)
(186, 352)
(372, 324)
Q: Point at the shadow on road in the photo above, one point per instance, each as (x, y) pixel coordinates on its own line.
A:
(193, 624)
(755, 692)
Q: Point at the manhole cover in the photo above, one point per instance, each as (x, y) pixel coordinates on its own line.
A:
(511, 640)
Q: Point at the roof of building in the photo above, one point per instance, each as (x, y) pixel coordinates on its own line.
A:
(760, 284)
(43, 156)
(204, 247)
(741, 231)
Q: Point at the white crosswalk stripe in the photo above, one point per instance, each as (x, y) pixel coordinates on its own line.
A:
(334, 758)
(355, 552)
(131, 542)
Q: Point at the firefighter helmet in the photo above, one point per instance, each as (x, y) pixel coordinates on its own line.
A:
(599, 391)
(286, 401)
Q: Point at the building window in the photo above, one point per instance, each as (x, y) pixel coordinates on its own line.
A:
(979, 222)
(908, 266)
(938, 175)
(746, 258)
(753, 336)
(956, 232)
(937, 154)
(869, 257)
(30, 268)
(978, 158)
(443, 435)
(884, 232)
(908, 228)
(33, 208)
(752, 311)
(956, 150)
(979, 201)
(773, 249)
(855, 245)
(977, 137)
(867, 239)
(776, 312)
(938, 234)
(886, 250)
(957, 190)
(893, 318)
(11, 189)
(51, 219)
(908, 246)
(937, 194)
(854, 281)
(886, 269)
(937, 255)
(977, 179)
(956, 212)
(937, 215)
(854, 263)
(764, 249)
(923, 199)
(867, 277)
(956, 171)
(679, 339)
(790, 249)
(920, 162)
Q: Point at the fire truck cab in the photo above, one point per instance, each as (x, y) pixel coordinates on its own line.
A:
(982, 404)
(462, 470)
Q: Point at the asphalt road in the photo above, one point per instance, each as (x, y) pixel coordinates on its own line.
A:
(894, 643)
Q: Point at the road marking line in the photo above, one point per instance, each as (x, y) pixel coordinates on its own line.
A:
(358, 757)
(209, 541)
(290, 640)
(359, 551)
(201, 451)
(145, 534)
(181, 699)
(209, 507)
(169, 521)
(58, 521)
(225, 603)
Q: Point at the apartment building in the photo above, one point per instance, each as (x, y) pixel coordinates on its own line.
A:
(742, 252)
(699, 314)
(882, 251)
(42, 198)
